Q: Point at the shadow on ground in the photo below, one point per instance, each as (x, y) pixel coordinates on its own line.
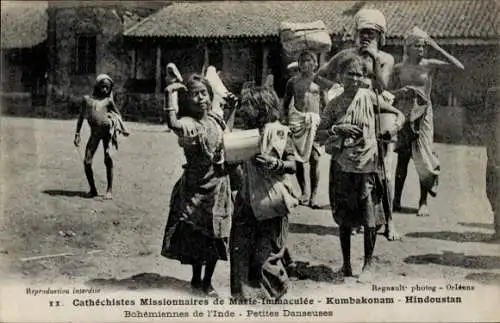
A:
(484, 278)
(407, 210)
(477, 225)
(313, 228)
(324, 207)
(455, 260)
(159, 130)
(144, 281)
(65, 193)
(319, 273)
(453, 236)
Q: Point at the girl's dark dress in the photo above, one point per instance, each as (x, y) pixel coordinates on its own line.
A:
(260, 222)
(199, 221)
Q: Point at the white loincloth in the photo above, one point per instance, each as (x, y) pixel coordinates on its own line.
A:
(303, 126)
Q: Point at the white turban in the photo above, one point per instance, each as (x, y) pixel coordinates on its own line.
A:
(292, 66)
(102, 77)
(414, 35)
(371, 19)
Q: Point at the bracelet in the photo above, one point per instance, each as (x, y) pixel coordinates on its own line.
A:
(277, 163)
(169, 109)
(331, 132)
(274, 164)
(281, 165)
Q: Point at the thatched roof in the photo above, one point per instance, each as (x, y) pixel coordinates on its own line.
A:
(24, 24)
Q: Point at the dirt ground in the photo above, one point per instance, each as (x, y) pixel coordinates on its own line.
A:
(117, 243)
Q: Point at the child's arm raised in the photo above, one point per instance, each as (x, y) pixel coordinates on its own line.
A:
(172, 106)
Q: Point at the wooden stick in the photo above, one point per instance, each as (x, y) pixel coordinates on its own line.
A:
(65, 254)
(47, 256)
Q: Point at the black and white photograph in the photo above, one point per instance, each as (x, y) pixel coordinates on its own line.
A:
(290, 161)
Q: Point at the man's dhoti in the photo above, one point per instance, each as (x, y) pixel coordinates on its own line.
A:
(303, 127)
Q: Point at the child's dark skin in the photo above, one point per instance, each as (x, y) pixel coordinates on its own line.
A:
(95, 109)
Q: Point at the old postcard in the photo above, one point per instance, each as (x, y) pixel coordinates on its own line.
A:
(290, 161)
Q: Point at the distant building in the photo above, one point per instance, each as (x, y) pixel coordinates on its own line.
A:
(23, 56)
(241, 38)
(134, 43)
(86, 39)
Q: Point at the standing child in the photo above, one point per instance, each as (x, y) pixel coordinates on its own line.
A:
(198, 224)
(263, 203)
(303, 118)
(105, 123)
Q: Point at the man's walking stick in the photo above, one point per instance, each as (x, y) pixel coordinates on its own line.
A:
(386, 197)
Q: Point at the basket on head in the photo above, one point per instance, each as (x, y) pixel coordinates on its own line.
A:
(298, 37)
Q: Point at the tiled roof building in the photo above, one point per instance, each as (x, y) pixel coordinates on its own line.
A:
(463, 21)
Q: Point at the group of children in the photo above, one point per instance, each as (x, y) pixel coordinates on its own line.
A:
(207, 222)
(206, 225)
(221, 210)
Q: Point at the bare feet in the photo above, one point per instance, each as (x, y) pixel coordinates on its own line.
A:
(196, 284)
(346, 271)
(210, 291)
(304, 200)
(108, 196)
(313, 204)
(91, 194)
(423, 210)
(391, 233)
(366, 275)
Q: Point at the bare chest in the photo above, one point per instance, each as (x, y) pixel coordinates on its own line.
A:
(97, 110)
(307, 95)
(414, 75)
